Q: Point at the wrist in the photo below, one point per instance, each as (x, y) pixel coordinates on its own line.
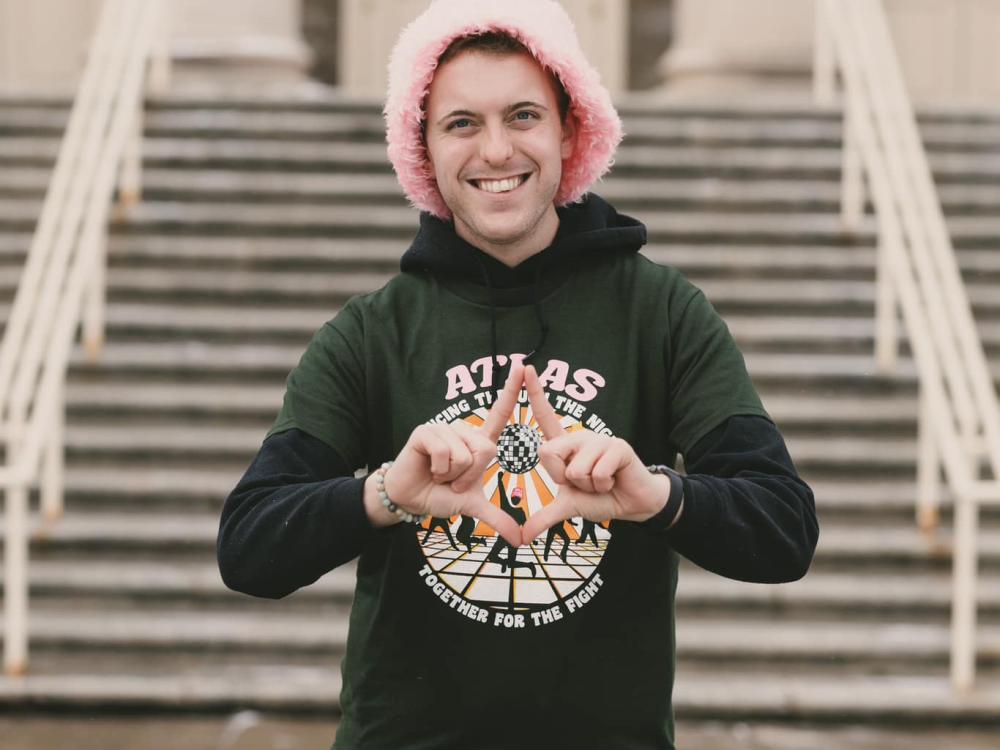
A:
(658, 497)
(378, 514)
(671, 499)
(386, 500)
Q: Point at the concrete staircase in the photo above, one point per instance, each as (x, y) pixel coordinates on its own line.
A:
(263, 216)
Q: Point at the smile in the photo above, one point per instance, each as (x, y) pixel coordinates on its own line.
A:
(501, 186)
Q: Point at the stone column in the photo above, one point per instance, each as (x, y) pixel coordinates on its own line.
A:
(234, 29)
(721, 45)
(947, 48)
(43, 43)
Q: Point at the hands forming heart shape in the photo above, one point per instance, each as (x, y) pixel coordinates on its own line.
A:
(439, 470)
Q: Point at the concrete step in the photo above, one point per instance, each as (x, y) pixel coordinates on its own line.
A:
(311, 99)
(718, 694)
(139, 487)
(275, 361)
(915, 593)
(136, 487)
(841, 542)
(692, 193)
(275, 686)
(852, 596)
(127, 320)
(651, 104)
(122, 441)
(855, 295)
(775, 161)
(328, 289)
(818, 643)
(130, 321)
(740, 259)
(822, 642)
(126, 439)
(175, 580)
(401, 222)
(254, 251)
(166, 400)
(182, 400)
(732, 695)
(178, 631)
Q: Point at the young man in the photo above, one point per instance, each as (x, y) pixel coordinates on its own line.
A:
(497, 127)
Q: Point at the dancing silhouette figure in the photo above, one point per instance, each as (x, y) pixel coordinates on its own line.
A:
(440, 523)
(510, 507)
(465, 535)
(589, 529)
(559, 530)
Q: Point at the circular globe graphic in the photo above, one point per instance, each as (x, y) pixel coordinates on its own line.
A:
(517, 448)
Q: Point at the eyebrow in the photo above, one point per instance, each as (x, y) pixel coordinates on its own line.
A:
(507, 110)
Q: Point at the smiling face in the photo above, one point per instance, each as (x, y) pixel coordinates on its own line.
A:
(496, 144)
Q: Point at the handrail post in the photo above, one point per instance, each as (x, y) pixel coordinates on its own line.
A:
(963, 605)
(928, 470)
(96, 294)
(886, 326)
(15, 553)
(852, 198)
(53, 471)
(130, 181)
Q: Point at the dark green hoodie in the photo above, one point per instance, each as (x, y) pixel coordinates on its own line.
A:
(457, 640)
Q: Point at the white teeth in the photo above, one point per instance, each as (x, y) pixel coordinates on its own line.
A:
(499, 186)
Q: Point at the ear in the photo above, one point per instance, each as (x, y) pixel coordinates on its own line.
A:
(427, 150)
(569, 129)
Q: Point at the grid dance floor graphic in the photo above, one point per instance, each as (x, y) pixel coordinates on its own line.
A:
(487, 584)
(491, 574)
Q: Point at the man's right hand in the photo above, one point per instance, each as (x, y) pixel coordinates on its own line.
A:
(439, 471)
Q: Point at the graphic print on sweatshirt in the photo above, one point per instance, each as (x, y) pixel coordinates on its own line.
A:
(473, 570)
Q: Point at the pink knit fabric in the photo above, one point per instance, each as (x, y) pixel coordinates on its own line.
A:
(547, 31)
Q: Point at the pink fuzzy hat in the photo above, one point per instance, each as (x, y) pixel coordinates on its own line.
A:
(546, 30)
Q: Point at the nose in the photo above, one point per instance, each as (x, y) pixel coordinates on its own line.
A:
(496, 147)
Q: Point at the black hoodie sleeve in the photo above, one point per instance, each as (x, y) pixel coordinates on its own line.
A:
(747, 514)
(297, 513)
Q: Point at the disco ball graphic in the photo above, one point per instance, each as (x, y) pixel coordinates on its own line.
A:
(517, 448)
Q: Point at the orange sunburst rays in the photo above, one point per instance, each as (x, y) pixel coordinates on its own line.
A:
(537, 487)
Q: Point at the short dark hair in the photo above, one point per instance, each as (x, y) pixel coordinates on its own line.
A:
(501, 43)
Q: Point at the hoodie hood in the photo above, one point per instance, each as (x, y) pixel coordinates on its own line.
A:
(588, 232)
(590, 228)
(542, 26)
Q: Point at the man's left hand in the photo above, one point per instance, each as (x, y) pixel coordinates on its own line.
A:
(601, 477)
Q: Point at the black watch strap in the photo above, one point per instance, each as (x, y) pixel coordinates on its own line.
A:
(662, 520)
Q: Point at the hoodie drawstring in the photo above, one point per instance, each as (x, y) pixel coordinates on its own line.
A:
(543, 325)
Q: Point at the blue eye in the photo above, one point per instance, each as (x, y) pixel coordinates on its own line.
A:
(457, 123)
(530, 115)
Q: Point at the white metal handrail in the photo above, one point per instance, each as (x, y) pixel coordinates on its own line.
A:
(62, 283)
(918, 274)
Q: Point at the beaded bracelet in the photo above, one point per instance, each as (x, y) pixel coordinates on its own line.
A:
(406, 516)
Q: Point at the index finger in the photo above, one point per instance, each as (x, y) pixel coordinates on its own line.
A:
(503, 407)
(545, 415)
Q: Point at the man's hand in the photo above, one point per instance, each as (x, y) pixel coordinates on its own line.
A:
(601, 477)
(439, 470)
